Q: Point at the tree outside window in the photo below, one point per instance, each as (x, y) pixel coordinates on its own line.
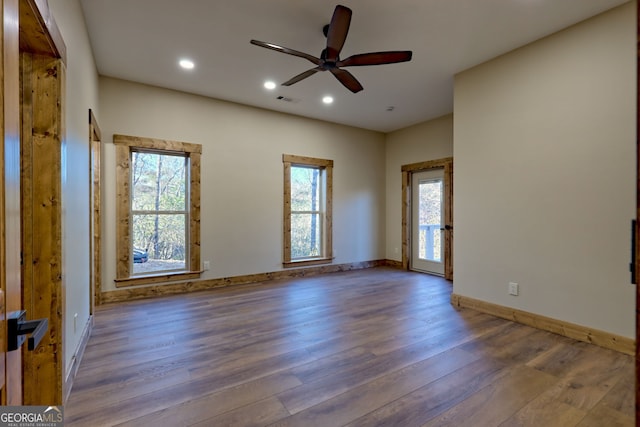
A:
(157, 210)
(307, 211)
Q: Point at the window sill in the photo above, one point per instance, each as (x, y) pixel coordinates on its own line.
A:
(157, 278)
(304, 262)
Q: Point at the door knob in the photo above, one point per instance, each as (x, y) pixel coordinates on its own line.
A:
(18, 327)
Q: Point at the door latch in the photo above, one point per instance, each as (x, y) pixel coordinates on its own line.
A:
(18, 327)
(632, 264)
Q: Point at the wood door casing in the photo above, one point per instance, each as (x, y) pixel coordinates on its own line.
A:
(43, 291)
(636, 261)
(95, 149)
(27, 27)
(11, 270)
(407, 171)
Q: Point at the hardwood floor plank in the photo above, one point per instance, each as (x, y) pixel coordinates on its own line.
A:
(497, 402)
(602, 415)
(208, 406)
(547, 411)
(261, 413)
(418, 407)
(342, 379)
(622, 397)
(217, 378)
(321, 368)
(589, 377)
(363, 399)
(367, 347)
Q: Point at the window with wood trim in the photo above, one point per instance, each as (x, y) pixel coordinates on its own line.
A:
(308, 192)
(158, 210)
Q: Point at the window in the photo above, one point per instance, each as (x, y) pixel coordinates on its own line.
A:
(307, 210)
(159, 211)
(158, 215)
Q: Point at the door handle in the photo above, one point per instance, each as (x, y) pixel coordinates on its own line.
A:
(632, 264)
(447, 227)
(18, 327)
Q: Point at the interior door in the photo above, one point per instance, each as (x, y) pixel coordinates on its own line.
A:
(427, 221)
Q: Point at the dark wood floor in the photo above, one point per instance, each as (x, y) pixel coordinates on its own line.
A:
(376, 347)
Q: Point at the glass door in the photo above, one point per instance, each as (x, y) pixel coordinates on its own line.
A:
(427, 221)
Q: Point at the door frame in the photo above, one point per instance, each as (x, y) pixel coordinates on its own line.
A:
(636, 231)
(40, 82)
(10, 268)
(28, 27)
(95, 220)
(407, 175)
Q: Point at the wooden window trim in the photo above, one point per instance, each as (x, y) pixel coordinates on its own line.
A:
(124, 144)
(327, 165)
(157, 278)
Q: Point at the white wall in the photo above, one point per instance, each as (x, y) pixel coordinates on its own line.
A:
(544, 183)
(242, 174)
(81, 95)
(425, 141)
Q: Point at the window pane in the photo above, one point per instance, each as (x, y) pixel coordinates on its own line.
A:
(305, 188)
(305, 236)
(157, 182)
(430, 211)
(159, 243)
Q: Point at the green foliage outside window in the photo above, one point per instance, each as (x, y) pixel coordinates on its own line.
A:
(159, 209)
(306, 219)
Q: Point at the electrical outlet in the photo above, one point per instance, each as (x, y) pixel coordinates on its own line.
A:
(513, 288)
(207, 265)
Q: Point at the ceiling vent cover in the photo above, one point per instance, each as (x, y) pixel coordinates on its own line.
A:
(287, 99)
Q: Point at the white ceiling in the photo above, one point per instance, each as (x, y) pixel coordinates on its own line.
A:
(142, 41)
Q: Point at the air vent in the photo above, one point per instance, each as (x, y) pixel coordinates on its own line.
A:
(287, 99)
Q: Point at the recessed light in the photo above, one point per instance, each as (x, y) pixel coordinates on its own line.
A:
(327, 99)
(270, 85)
(187, 64)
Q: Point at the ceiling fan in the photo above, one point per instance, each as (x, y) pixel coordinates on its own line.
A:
(336, 33)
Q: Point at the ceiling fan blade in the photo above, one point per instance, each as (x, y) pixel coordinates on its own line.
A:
(302, 76)
(347, 79)
(286, 50)
(376, 58)
(337, 32)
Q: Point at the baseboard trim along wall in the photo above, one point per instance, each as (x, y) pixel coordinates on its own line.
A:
(75, 360)
(393, 264)
(581, 333)
(205, 284)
